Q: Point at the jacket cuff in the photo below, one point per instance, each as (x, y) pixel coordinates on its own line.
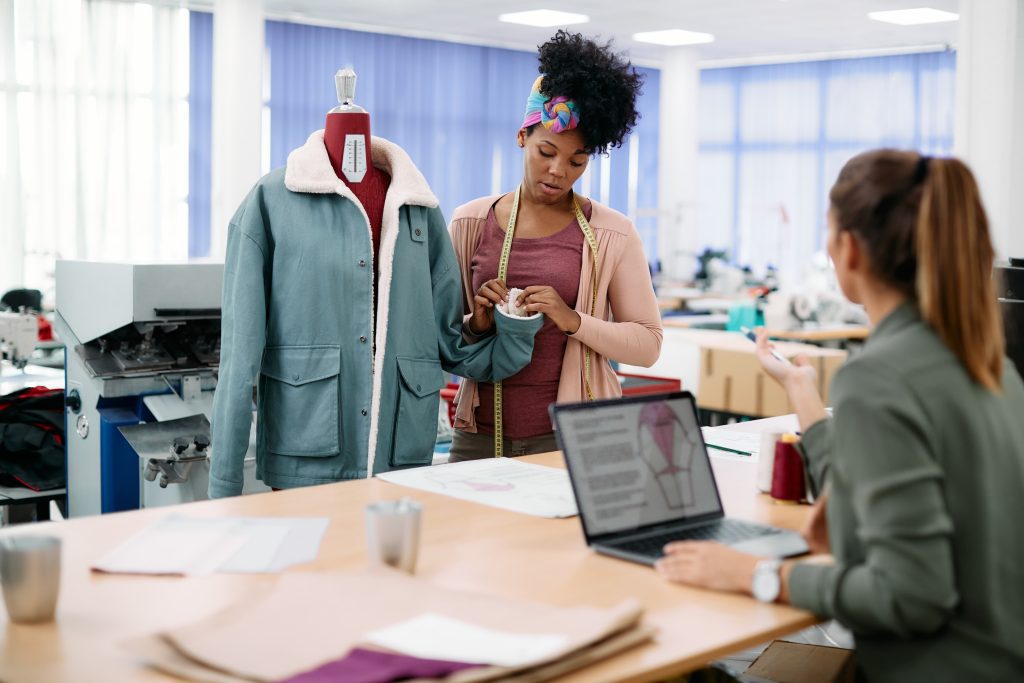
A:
(811, 587)
(815, 446)
(220, 488)
(518, 327)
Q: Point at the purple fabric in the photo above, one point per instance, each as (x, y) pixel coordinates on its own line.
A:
(371, 666)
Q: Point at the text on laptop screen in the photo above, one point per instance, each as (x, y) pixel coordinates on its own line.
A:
(637, 463)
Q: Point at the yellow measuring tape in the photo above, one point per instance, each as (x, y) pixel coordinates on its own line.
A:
(506, 250)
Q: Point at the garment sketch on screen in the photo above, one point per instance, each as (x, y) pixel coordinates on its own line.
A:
(667, 449)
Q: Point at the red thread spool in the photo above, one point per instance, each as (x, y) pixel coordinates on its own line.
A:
(788, 473)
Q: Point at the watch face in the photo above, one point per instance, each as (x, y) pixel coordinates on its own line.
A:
(766, 582)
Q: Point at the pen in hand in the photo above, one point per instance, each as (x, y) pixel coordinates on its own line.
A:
(749, 334)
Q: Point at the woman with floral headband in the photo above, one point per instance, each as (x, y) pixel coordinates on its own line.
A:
(578, 263)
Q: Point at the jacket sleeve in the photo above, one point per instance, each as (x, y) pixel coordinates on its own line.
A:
(816, 448)
(496, 356)
(243, 336)
(635, 335)
(459, 238)
(905, 585)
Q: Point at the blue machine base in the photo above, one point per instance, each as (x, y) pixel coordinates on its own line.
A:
(119, 465)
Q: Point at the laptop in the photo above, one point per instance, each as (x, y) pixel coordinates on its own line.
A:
(642, 478)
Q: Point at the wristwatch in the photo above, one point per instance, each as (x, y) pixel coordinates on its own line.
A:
(767, 583)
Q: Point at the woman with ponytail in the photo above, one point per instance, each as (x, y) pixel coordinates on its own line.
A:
(924, 457)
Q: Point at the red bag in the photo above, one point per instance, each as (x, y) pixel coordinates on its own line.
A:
(32, 438)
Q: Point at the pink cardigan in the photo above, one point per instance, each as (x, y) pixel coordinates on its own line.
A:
(623, 286)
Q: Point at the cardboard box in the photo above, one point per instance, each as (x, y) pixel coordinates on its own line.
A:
(731, 379)
(784, 662)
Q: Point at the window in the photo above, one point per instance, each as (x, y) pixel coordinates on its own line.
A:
(95, 157)
(773, 138)
(454, 108)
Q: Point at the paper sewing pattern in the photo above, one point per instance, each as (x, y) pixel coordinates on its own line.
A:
(499, 482)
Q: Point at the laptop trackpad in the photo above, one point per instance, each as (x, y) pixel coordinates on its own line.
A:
(785, 544)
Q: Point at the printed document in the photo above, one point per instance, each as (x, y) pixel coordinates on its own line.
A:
(178, 545)
(499, 482)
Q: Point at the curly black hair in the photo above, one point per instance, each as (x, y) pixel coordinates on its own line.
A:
(604, 85)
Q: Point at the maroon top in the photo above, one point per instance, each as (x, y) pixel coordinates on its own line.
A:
(556, 261)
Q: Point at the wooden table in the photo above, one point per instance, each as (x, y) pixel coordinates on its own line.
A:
(464, 546)
(831, 333)
(710, 320)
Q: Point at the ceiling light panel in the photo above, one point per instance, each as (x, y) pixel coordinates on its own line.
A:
(544, 17)
(912, 17)
(673, 37)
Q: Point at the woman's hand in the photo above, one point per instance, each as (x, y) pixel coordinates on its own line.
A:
(708, 564)
(815, 529)
(787, 374)
(799, 379)
(491, 293)
(544, 299)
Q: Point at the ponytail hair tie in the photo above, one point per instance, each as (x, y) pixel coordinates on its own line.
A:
(921, 171)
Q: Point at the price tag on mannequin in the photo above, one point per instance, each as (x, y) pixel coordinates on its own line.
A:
(353, 163)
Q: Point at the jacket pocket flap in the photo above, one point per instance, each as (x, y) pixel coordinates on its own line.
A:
(422, 377)
(297, 365)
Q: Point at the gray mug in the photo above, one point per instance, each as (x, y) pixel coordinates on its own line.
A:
(393, 533)
(30, 575)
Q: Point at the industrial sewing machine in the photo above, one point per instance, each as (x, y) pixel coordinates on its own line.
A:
(18, 335)
(143, 347)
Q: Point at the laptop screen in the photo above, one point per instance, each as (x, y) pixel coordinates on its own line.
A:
(636, 462)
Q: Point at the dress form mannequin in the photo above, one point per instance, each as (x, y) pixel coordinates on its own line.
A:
(347, 138)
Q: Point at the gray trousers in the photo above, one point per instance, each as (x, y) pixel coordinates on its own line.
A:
(470, 446)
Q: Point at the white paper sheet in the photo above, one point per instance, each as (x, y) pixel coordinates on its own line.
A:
(499, 482)
(193, 545)
(434, 636)
(722, 440)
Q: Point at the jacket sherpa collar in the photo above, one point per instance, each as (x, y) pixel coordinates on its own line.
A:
(309, 170)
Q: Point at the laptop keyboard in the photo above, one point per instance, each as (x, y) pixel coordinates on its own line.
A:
(724, 531)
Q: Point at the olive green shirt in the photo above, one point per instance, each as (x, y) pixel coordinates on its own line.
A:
(925, 512)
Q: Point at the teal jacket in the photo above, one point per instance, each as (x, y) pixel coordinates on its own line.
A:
(339, 397)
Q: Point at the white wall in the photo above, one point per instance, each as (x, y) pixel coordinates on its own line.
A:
(990, 112)
(237, 111)
(677, 163)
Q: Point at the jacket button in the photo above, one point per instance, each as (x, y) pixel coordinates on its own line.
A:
(296, 377)
(362, 339)
(418, 388)
(362, 263)
(363, 411)
(418, 232)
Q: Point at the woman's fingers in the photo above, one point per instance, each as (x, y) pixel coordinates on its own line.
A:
(766, 356)
(533, 294)
(498, 286)
(491, 296)
(493, 292)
